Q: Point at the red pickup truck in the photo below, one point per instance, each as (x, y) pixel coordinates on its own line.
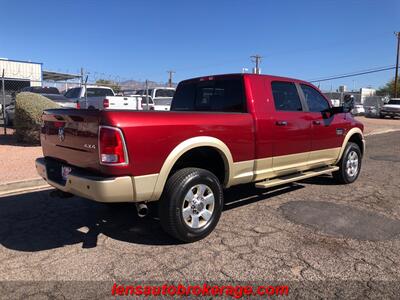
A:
(221, 131)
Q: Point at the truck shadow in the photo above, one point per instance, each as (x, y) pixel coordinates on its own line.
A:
(35, 221)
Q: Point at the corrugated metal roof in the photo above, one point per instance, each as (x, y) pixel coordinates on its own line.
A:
(56, 76)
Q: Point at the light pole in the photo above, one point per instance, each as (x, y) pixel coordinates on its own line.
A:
(257, 60)
(396, 77)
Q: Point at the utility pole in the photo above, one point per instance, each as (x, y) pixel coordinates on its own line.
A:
(4, 103)
(257, 60)
(396, 77)
(170, 77)
(147, 94)
(81, 76)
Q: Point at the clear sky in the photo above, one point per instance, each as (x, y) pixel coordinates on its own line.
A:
(143, 39)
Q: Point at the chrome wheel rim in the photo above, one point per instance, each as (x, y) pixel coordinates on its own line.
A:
(352, 164)
(198, 206)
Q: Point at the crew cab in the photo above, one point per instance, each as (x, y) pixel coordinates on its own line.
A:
(102, 97)
(391, 109)
(222, 131)
(161, 96)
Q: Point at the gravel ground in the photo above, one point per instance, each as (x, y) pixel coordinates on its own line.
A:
(17, 162)
(323, 240)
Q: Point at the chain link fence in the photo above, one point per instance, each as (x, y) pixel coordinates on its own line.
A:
(10, 87)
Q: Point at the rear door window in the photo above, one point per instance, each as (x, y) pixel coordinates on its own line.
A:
(286, 97)
(220, 95)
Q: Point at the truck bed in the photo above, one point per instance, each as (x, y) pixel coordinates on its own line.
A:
(70, 136)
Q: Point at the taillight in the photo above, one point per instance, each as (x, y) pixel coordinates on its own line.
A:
(59, 124)
(106, 103)
(112, 149)
(78, 105)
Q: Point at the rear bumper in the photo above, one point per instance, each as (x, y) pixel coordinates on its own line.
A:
(103, 189)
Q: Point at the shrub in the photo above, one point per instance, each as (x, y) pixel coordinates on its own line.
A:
(28, 112)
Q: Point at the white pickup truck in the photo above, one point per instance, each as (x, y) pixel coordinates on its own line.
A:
(161, 96)
(102, 97)
(391, 109)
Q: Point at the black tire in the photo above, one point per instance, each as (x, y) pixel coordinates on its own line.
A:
(172, 203)
(381, 116)
(7, 120)
(343, 175)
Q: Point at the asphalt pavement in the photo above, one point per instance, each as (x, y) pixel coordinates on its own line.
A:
(321, 239)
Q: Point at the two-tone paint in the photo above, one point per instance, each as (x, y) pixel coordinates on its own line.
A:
(254, 145)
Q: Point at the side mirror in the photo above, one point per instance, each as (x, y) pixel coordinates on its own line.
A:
(348, 103)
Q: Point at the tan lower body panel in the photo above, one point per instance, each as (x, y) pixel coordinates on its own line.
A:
(143, 188)
(286, 164)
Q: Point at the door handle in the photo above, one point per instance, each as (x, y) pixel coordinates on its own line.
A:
(281, 123)
(315, 122)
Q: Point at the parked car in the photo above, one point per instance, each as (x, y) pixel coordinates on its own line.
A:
(391, 109)
(53, 94)
(9, 114)
(371, 111)
(358, 110)
(102, 97)
(222, 131)
(162, 97)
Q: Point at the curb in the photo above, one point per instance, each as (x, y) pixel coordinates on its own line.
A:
(22, 186)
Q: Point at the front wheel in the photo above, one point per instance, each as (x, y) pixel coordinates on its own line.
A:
(349, 165)
(191, 204)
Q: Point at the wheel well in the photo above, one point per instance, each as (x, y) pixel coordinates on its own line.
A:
(207, 158)
(357, 139)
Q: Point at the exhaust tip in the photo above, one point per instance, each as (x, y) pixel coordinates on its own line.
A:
(142, 210)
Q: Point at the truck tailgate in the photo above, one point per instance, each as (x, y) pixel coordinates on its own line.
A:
(123, 102)
(71, 137)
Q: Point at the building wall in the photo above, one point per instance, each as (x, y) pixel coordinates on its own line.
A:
(22, 70)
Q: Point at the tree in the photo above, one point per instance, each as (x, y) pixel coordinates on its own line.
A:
(112, 84)
(388, 89)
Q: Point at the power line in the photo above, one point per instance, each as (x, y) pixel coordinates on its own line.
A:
(358, 73)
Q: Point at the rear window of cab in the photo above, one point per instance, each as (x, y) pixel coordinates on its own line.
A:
(217, 95)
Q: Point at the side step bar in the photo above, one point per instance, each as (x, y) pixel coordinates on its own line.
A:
(295, 177)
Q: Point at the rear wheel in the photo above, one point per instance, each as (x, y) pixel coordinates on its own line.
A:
(349, 165)
(191, 204)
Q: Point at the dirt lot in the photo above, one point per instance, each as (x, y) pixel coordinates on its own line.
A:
(374, 125)
(323, 240)
(17, 162)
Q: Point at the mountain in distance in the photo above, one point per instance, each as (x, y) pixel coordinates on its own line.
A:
(135, 84)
